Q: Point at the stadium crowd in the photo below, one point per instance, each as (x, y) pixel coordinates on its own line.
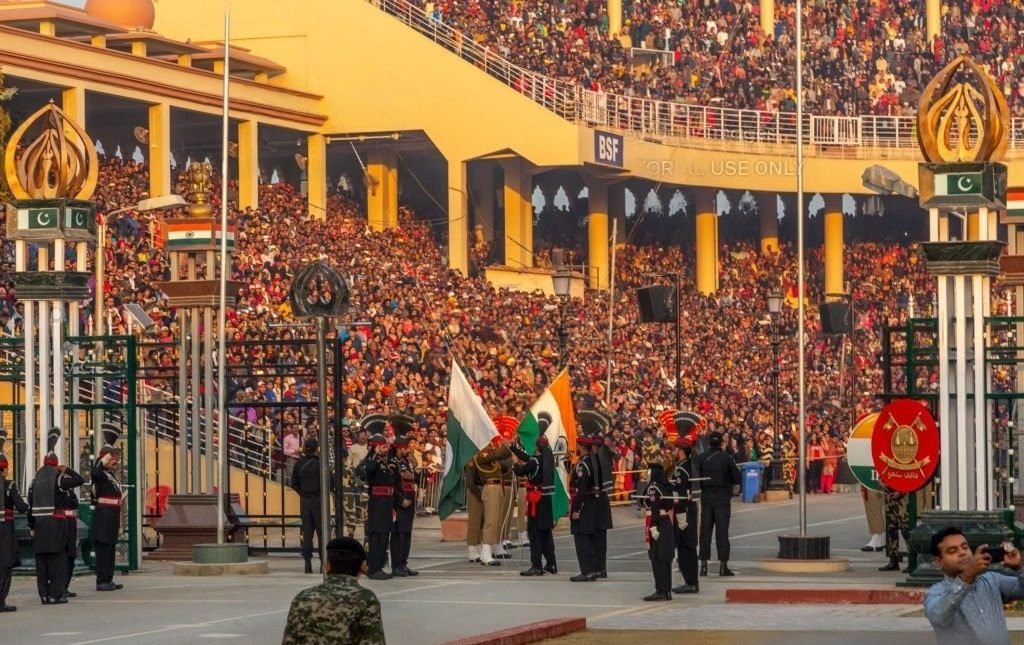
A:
(420, 314)
(862, 56)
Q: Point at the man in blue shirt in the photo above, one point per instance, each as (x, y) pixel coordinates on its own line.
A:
(966, 607)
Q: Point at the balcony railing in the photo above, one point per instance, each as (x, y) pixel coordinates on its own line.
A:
(684, 124)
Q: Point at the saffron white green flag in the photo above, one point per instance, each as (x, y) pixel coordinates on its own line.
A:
(553, 417)
(470, 428)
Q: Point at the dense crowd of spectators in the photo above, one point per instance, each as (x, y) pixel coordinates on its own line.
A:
(861, 56)
(415, 314)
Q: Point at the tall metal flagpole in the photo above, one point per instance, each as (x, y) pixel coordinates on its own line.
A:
(222, 438)
(611, 318)
(800, 257)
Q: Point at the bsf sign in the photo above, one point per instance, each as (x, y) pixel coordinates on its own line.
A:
(905, 445)
(608, 148)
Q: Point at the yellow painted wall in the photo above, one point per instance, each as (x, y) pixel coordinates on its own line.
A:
(258, 487)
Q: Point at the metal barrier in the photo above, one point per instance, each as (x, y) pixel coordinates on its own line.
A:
(682, 124)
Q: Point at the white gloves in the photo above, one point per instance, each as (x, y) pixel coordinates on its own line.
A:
(681, 521)
(655, 533)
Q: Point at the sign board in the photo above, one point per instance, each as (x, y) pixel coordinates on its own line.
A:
(609, 149)
(905, 445)
(962, 185)
(858, 452)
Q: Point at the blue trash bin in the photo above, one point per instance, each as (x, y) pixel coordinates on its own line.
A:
(751, 478)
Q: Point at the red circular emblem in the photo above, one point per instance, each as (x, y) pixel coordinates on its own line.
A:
(905, 445)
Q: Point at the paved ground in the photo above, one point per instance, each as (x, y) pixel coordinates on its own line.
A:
(453, 598)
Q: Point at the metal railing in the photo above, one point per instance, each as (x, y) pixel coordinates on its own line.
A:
(684, 124)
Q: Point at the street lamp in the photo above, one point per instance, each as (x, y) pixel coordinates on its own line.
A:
(774, 309)
(561, 281)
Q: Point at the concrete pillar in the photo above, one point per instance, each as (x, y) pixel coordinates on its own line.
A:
(316, 176)
(159, 153)
(458, 220)
(73, 103)
(834, 282)
(518, 188)
(932, 19)
(248, 165)
(597, 234)
(768, 211)
(615, 17)
(768, 17)
(617, 211)
(382, 191)
(707, 240)
(482, 191)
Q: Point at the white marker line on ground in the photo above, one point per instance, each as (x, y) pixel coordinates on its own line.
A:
(222, 635)
(423, 588)
(500, 603)
(796, 528)
(61, 634)
(172, 628)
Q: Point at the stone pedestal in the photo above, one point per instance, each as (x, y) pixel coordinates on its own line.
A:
(980, 527)
(188, 521)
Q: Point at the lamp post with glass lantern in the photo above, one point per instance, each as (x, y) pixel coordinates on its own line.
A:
(774, 310)
(561, 281)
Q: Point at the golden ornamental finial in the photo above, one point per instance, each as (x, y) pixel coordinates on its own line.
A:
(962, 121)
(200, 189)
(60, 163)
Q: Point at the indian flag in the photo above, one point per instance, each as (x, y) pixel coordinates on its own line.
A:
(552, 415)
(470, 428)
(1015, 202)
(858, 452)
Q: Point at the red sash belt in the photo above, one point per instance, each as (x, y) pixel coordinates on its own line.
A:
(533, 496)
(109, 501)
(8, 515)
(58, 514)
(382, 491)
(70, 514)
(409, 487)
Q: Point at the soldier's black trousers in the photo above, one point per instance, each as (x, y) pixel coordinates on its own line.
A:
(600, 550)
(51, 574)
(104, 563)
(542, 543)
(661, 566)
(715, 517)
(401, 544)
(310, 512)
(5, 584)
(377, 554)
(686, 547)
(585, 552)
(71, 570)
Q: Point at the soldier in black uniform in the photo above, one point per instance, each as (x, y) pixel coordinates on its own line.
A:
(660, 532)
(720, 475)
(107, 499)
(597, 424)
(46, 520)
(539, 471)
(686, 517)
(379, 474)
(70, 505)
(306, 482)
(583, 510)
(405, 513)
(10, 500)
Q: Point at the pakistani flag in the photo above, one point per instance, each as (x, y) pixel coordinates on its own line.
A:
(552, 416)
(958, 183)
(469, 429)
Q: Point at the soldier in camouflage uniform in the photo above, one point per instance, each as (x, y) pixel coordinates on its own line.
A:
(339, 611)
(789, 465)
(895, 524)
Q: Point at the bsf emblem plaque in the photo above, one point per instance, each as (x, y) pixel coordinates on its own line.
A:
(905, 445)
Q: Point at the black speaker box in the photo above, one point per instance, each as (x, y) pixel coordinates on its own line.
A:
(835, 317)
(657, 304)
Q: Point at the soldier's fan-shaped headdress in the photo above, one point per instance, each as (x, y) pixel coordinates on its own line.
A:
(51, 444)
(111, 433)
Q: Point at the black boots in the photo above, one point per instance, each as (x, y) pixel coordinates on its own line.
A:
(685, 589)
(309, 565)
(703, 567)
(658, 596)
(724, 570)
(894, 565)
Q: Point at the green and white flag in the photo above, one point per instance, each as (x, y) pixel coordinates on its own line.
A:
(958, 183)
(470, 428)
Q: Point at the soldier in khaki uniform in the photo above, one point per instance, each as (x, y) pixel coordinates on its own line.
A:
(493, 476)
(475, 510)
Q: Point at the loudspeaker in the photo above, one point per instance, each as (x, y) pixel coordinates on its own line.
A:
(835, 317)
(657, 304)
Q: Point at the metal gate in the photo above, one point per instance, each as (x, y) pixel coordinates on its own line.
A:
(99, 386)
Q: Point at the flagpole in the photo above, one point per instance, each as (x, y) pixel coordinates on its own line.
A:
(222, 312)
(800, 261)
(611, 319)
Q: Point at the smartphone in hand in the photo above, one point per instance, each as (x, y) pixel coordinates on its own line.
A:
(998, 553)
